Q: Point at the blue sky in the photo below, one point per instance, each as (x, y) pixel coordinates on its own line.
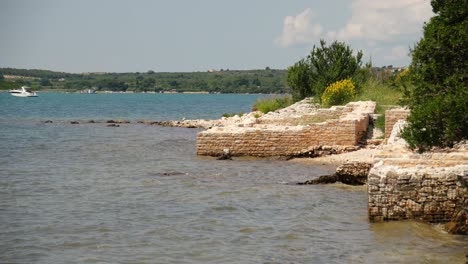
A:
(197, 35)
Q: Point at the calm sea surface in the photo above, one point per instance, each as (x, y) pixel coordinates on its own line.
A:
(88, 193)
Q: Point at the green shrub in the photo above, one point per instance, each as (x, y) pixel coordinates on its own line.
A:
(232, 114)
(338, 93)
(7, 85)
(270, 104)
(324, 66)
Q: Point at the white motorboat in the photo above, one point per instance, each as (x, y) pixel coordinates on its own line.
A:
(23, 92)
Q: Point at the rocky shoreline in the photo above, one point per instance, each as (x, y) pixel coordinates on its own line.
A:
(401, 184)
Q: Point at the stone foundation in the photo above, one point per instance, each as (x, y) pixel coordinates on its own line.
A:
(269, 137)
(392, 116)
(435, 195)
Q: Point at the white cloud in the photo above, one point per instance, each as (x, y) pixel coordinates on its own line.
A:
(397, 53)
(382, 20)
(378, 27)
(299, 29)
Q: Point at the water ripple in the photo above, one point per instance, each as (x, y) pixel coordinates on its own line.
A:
(88, 194)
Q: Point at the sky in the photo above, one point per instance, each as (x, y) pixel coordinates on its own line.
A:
(198, 35)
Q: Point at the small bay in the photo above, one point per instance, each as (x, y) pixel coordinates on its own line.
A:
(88, 193)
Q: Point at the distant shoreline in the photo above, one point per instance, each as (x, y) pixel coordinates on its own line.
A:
(132, 92)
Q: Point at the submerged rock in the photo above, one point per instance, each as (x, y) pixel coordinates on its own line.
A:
(226, 155)
(170, 173)
(120, 121)
(325, 179)
(458, 224)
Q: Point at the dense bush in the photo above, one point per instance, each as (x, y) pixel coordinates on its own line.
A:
(338, 93)
(324, 66)
(439, 99)
(298, 80)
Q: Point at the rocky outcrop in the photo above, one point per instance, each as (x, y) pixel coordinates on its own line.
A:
(324, 179)
(119, 121)
(320, 151)
(351, 173)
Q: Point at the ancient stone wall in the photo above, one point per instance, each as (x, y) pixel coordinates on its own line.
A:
(279, 141)
(282, 140)
(392, 116)
(435, 195)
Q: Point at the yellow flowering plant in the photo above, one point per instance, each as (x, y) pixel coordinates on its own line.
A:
(338, 93)
(401, 76)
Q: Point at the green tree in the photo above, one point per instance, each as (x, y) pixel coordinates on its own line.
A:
(2, 77)
(332, 63)
(45, 82)
(439, 97)
(322, 67)
(149, 83)
(298, 80)
(112, 84)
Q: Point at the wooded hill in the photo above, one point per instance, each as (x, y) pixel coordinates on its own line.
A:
(223, 81)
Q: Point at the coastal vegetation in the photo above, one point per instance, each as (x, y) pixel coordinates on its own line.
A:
(270, 104)
(338, 92)
(324, 66)
(334, 76)
(233, 114)
(439, 97)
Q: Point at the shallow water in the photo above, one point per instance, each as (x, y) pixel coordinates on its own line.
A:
(138, 194)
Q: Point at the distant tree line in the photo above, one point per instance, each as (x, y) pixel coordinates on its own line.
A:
(226, 81)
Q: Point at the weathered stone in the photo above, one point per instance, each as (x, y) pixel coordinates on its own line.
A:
(458, 224)
(429, 194)
(226, 155)
(325, 179)
(353, 173)
(283, 137)
(120, 121)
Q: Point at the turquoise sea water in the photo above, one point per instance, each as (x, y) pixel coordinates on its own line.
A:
(125, 106)
(88, 193)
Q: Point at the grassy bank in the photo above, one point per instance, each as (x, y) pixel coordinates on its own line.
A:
(385, 95)
(270, 104)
